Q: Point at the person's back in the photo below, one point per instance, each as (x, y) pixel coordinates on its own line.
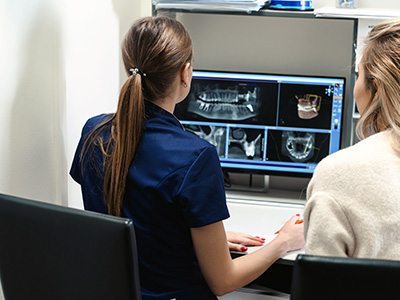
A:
(354, 195)
(353, 200)
(162, 201)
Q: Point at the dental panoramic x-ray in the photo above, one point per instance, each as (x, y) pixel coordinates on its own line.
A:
(221, 100)
(265, 123)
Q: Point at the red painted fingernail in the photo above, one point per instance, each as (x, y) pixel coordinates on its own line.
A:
(257, 237)
(263, 239)
(243, 248)
(298, 215)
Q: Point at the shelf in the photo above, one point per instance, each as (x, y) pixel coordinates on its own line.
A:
(262, 12)
(323, 12)
(356, 13)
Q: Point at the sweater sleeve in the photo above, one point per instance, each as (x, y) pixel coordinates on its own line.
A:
(327, 229)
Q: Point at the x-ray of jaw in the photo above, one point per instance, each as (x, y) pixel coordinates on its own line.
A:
(242, 146)
(215, 135)
(298, 146)
(221, 101)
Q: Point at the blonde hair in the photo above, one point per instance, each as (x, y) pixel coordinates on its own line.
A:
(381, 63)
(159, 47)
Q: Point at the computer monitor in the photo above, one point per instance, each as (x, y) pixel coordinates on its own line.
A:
(266, 123)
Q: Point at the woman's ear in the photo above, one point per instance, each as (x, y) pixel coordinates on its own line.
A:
(376, 87)
(186, 74)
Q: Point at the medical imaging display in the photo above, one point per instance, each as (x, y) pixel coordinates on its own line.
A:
(265, 123)
(305, 106)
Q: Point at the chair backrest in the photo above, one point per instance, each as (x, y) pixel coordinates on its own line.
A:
(51, 252)
(322, 277)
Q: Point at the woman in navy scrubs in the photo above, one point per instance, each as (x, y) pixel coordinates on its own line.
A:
(141, 164)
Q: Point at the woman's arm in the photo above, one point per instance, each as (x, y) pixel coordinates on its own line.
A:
(225, 275)
(327, 228)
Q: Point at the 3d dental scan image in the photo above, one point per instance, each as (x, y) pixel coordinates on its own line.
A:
(265, 123)
(305, 106)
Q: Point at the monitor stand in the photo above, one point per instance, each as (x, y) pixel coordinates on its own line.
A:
(265, 187)
(246, 182)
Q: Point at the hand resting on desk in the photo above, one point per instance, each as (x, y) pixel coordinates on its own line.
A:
(238, 241)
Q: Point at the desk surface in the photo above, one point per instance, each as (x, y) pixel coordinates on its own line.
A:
(256, 218)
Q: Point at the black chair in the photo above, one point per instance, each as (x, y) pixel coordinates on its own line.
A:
(339, 278)
(51, 252)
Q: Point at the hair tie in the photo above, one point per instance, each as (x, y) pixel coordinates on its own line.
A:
(139, 71)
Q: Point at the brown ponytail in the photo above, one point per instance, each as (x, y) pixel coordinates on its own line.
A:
(129, 120)
(159, 47)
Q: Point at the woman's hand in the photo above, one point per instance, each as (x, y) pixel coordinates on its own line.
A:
(293, 233)
(238, 241)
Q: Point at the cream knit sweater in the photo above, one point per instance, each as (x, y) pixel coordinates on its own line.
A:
(353, 206)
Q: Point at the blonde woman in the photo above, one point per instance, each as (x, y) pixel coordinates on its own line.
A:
(354, 196)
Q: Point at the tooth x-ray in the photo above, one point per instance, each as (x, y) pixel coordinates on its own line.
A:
(297, 146)
(228, 101)
(245, 143)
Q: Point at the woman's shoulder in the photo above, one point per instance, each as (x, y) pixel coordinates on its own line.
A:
(361, 151)
(356, 160)
(194, 145)
(95, 121)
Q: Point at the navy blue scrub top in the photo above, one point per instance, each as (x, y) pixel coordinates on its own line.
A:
(175, 183)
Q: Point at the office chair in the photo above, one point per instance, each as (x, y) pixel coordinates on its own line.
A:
(51, 252)
(333, 278)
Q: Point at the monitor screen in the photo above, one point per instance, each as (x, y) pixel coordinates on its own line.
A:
(265, 123)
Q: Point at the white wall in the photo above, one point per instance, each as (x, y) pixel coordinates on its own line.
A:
(31, 58)
(59, 62)
(60, 65)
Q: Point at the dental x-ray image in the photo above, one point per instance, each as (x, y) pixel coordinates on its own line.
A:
(224, 100)
(245, 143)
(297, 146)
(230, 101)
(215, 135)
(308, 106)
(305, 106)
